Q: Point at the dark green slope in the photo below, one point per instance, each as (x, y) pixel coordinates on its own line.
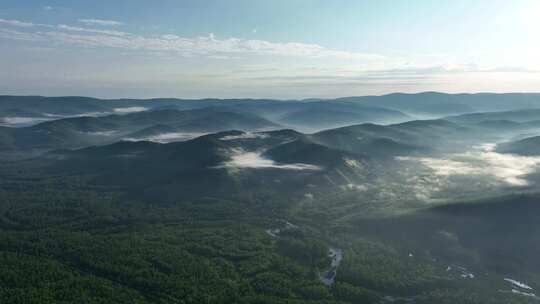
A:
(219, 120)
(198, 166)
(412, 137)
(152, 131)
(496, 235)
(368, 139)
(182, 169)
(306, 151)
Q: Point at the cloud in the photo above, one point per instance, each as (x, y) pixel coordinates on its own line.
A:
(87, 30)
(354, 187)
(241, 159)
(289, 69)
(483, 161)
(198, 46)
(446, 167)
(100, 22)
(439, 69)
(168, 137)
(244, 136)
(101, 133)
(21, 121)
(16, 23)
(170, 37)
(518, 283)
(129, 110)
(85, 114)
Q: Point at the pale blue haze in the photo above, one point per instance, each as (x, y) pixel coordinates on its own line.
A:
(277, 49)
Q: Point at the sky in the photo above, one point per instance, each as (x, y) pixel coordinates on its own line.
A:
(285, 49)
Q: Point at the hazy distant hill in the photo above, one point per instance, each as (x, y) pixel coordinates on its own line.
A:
(440, 104)
(324, 115)
(431, 104)
(329, 112)
(40, 106)
(420, 136)
(84, 131)
(527, 146)
(367, 139)
(524, 115)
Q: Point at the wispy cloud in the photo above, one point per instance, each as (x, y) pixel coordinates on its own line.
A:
(129, 110)
(100, 22)
(16, 23)
(89, 30)
(207, 45)
(20, 121)
(177, 65)
(244, 136)
(169, 137)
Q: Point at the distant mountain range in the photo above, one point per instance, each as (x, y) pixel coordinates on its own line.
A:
(81, 121)
(518, 116)
(340, 110)
(153, 143)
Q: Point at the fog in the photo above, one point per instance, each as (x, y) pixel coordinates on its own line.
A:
(164, 138)
(241, 159)
(21, 121)
(483, 160)
(129, 110)
(244, 136)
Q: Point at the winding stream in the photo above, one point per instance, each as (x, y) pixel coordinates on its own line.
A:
(328, 276)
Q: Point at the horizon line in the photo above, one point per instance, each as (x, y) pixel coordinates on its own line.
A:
(275, 99)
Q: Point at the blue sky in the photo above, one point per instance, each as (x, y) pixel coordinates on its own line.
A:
(267, 49)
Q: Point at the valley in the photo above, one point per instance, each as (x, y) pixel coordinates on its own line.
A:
(237, 201)
(269, 152)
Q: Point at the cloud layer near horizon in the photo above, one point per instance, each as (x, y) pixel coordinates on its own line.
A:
(202, 46)
(110, 59)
